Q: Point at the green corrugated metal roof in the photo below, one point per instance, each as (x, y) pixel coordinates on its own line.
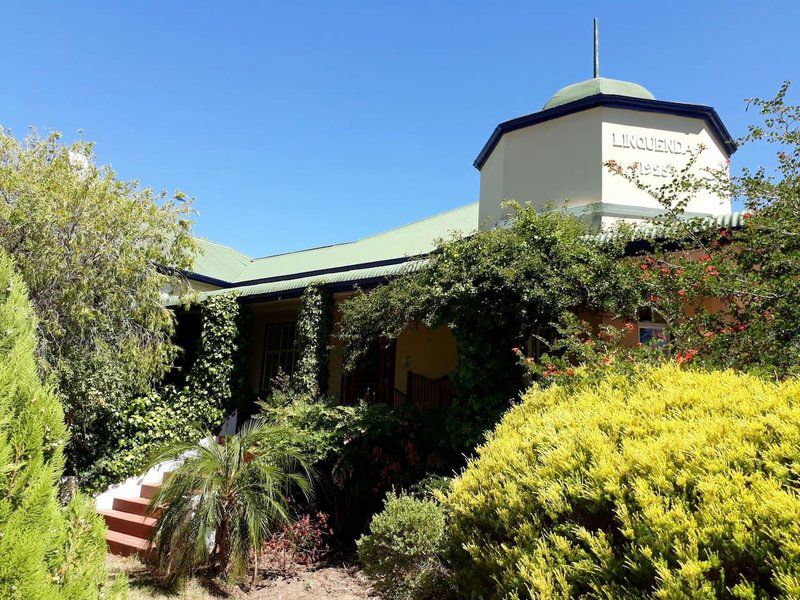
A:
(347, 279)
(218, 261)
(412, 240)
(415, 239)
(650, 231)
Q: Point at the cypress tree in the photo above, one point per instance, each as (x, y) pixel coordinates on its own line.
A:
(45, 551)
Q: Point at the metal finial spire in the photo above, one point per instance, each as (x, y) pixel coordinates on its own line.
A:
(596, 52)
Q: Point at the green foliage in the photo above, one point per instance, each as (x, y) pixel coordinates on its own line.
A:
(752, 271)
(314, 325)
(95, 253)
(234, 493)
(360, 451)
(45, 551)
(493, 290)
(215, 385)
(83, 544)
(580, 352)
(401, 552)
(322, 426)
(214, 380)
(669, 484)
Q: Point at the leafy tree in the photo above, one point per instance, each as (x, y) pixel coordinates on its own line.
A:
(233, 493)
(96, 253)
(45, 551)
(494, 290)
(752, 271)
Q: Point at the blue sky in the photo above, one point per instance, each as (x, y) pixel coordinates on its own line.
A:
(307, 123)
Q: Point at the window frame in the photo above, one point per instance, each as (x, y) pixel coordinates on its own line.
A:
(266, 360)
(653, 326)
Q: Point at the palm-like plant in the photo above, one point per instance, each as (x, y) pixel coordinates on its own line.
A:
(225, 497)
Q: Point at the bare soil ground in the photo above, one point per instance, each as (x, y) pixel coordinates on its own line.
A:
(326, 582)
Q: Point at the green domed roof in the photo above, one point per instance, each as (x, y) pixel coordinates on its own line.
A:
(597, 85)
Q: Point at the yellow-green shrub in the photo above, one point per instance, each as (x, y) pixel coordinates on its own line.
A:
(670, 484)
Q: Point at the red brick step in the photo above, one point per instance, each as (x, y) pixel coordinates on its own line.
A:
(136, 506)
(128, 523)
(122, 544)
(149, 489)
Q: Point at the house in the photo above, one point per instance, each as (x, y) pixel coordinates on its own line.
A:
(552, 156)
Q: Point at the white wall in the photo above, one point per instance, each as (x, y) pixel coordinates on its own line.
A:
(551, 162)
(562, 161)
(662, 141)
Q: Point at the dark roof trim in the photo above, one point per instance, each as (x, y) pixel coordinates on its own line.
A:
(313, 273)
(697, 111)
(205, 279)
(339, 286)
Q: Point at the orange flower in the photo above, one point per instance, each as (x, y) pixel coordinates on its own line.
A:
(685, 357)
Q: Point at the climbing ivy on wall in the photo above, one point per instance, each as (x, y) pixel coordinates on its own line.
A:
(216, 378)
(313, 339)
(215, 385)
(493, 289)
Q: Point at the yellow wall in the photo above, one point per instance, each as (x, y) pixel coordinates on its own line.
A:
(282, 311)
(428, 352)
(431, 353)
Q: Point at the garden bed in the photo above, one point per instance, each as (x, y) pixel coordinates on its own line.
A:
(325, 581)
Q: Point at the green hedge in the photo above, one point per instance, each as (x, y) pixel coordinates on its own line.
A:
(45, 551)
(401, 551)
(669, 484)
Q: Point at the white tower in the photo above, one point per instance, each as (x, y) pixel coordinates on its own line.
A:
(556, 156)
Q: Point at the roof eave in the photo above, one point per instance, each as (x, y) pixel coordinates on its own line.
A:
(199, 277)
(697, 111)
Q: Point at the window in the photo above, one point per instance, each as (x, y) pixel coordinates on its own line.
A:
(279, 352)
(652, 328)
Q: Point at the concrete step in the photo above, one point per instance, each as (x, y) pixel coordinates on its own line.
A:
(123, 544)
(130, 524)
(136, 506)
